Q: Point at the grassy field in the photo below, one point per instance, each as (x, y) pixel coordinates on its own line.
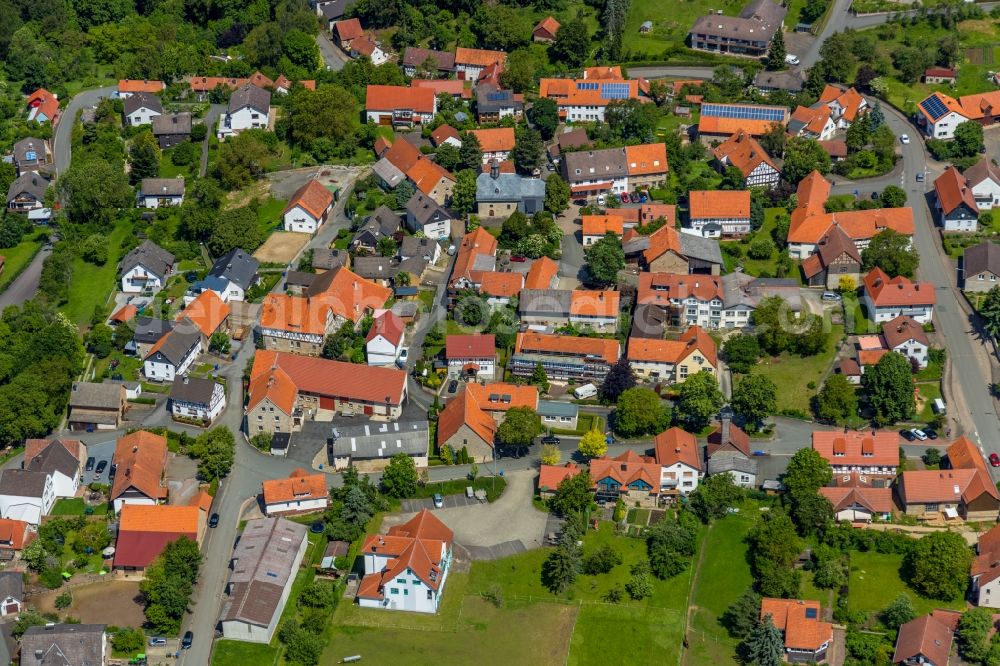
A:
(670, 25)
(722, 577)
(928, 392)
(875, 582)
(241, 653)
(269, 213)
(91, 285)
(792, 374)
(75, 506)
(760, 267)
(16, 258)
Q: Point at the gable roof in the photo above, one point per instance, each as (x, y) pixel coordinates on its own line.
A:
(141, 459)
(137, 85)
(963, 454)
(606, 303)
(415, 57)
(937, 486)
(550, 476)
(663, 240)
(901, 329)
(300, 485)
(33, 447)
(497, 283)
(207, 311)
(275, 385)
(983, 257)
(886, 292)
(389, 326)
(499, 139)
(662, 288)
(799, 620)
(646, 159)
(54, 458)
(461, 410)
(23, 482)
(193, 390)
(93, 395)
(742, 151)
(478, 57)
(876, 500)
(45, 102)
(250, 96)
(719, 204)
(313, 198)
(675, 445)
(150, 256)
(63, 645)
(145, 530)
(174, 123)
(953, 191)
(340, 290)
(141, 100)
(348, 29)
(863, 448)
(982, 171)
(672, 351)
(925, 636)
(602, 348)
(29, 182)
(501, 396)
(728, 437)
(470, 346)
(426, 174)
(548, 27)
(479, 242)
(627, 469)
(236, 266)
(391, 98)
(14, 534)
(177, 343)
(541, 274)
(443, 133)
(599, 225)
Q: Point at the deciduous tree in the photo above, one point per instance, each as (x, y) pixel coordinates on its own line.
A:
(700, 399)
(593, 444)
(940, 563)
(714, 496)
(400, 476)
(742, 352)
(572, 43)
(755, 397)
(520, 427)
(899, 612)
(837, 400)
(889, 387)
(605, 259)
(619, 379)
(639, 411)
(573, 495)
(892, 252)
(556, 194)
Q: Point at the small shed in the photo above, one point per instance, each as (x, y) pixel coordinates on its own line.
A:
(334, 549)
(279, 443)
(646, 27)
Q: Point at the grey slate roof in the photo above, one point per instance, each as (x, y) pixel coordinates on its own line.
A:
(252, 96)
(541, 302)
(388, 172)
(423, 209)
(384, 221)
(379, 440)
(607, 163)
(790, 80)
(758, 22)
(149, 330)
(141, 100)
(94, 395)
(508, 187)
(262, 567)
(731, 461)
(151, 256)
(30, 145)
(386, 268)
(329, 259)
(490, 99)
(299, 279)
(163, 187)
(22, 483)
(192, 390)
(29, 182)
(11, 585)
(740, 288)
(415, 246)
(54, 458)
(175, 123)
(236, 266)
(554, 408)
(64, 645)
(178, 343)
(704, 249)
(334, 9)
(984, 257)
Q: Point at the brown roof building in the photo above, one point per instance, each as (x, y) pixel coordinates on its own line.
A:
(140, 462)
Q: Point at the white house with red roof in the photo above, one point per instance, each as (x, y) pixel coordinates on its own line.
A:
(399, 105)
(308, 209)
(887, 298)
(986, 570)
(385, 339)
(406, 569)
(471, 357)
(679, 457)
(869, 454)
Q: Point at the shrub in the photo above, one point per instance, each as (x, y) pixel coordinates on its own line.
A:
(64, 600)
(601, 561)
(51, 578)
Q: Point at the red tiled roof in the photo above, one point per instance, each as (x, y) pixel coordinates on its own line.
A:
(501, 396)
(348, 29)
(719, 204)
(391, 98)
(902, 329)
(963, 454)
(939, 71)
(541, 273)
(141, 459)
(953, 190)
(677, 446)
(627, 469)
(529, 342)
(347, 295)
(660, 288)
(547, 27)
(14, 534)
(663, 240)
(144, 531)
(427, 174)
(46, 103)
(567, 92)
(478, 57)
(499, 139)
(209, 83)
(743, 152)
(496, 283)
(415, 546)
(470, 346)
(275, 385)
(879, 449)
(136, 85)
(313, 198)
(299, 486)
(478, 242)
(32, 447)
(594, 303)
(389, 326)
(125, 314)
(443, 132)
(926, 637)
(461, 410)
(672, 351)
(814, 120)
(550, 476)
(207, 311)
(886, 292)
(801, 632)
(937, 486)
(453, 87)
(646, 159)
(319, 376)
(402, 154)
(876, 500)
(598, 225)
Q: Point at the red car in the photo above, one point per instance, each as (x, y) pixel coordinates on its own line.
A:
(518, 258)
(995, 460)
(624, 197)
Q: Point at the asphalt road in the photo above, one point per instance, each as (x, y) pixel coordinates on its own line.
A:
(23, 288)
(333, 57)
(62, 148)
(211, 119)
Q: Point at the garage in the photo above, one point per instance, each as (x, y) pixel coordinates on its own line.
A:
(327, 402)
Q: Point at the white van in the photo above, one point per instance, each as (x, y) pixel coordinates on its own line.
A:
(585, 391)
(938, 406)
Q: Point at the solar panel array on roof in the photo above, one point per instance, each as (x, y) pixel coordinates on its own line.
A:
(614, 91)
(743, 112)
(586, 85)
(497, 96)
(31, 155)
(934, 107)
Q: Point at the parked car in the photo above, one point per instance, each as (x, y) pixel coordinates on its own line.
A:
(452, 386)
(643, 198)
(213, 521)
(601, 200)
(907, 435)
(634, 197)
(580, 202)
(187, 640)
(90, 463)
(792, 59)
(830, 296)
(518, 258)
(438, 501)
(919, 434)
(995, 460)
(551, 439)
(920, 176)
(624, 197)
(931, 433)
(101, 466)
(904, 139)
(157, 641)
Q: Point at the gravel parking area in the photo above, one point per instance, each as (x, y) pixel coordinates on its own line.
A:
(281, 247)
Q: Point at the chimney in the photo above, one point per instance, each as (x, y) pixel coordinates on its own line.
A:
(494, 169)
(726, 422)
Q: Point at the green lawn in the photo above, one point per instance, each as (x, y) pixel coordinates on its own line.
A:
(16, 258)
(91, 285)
(928, 391)
(760, 267)
(241, 653)
(722, 577)
(492, 485)
(170, 170)
(585, 423)
(792, 374)
(426, 297)
(629, 633)
(670, 25)
(875, 583)
(75, 506)
(269, 214)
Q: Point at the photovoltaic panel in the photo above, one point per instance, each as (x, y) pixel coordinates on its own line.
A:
(586, 85)
(743, 112)
(496, 96)
(934, 107)
(614, 91)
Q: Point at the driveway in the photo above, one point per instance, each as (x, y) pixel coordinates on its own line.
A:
(25, 285)
(511, 524)
(99, 451)
(333, 57)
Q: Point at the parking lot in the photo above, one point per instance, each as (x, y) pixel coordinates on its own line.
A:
(449, 501)
(102, 451)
